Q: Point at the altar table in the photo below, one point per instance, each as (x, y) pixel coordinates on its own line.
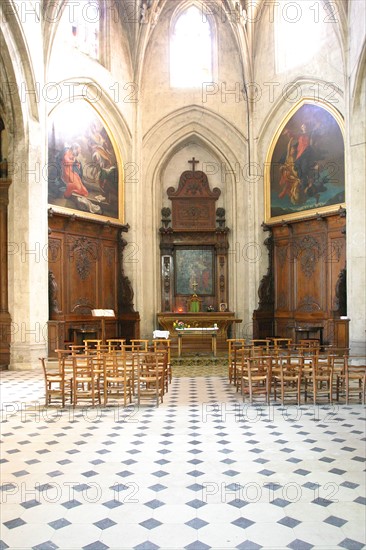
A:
(198, 331)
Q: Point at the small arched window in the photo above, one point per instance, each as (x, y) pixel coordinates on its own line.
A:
(191, 50)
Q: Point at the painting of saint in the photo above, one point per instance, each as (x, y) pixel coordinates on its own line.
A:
(306, 168)
(82, 166)
(194, 271)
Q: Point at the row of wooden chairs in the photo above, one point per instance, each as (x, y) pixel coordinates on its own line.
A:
(264, 347)
(292, 375)
(136, 345)
(103, 377)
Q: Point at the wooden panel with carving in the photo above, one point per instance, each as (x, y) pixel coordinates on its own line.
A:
(336, 255)
(283, 264)
(56, 265)
(308, 246)
(308, 276)
(193, 203)
(83, 266)
(86, 273)
(109, 276)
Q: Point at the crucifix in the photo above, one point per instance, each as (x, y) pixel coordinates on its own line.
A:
(193, 162)
(194, 286)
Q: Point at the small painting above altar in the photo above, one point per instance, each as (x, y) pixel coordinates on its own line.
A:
(194, 271)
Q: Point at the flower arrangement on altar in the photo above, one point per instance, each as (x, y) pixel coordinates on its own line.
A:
(180, 324)
(210, 308)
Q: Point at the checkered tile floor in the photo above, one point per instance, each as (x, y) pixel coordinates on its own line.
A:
(202, 471)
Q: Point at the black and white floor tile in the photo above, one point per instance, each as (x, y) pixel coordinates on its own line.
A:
(202, 471)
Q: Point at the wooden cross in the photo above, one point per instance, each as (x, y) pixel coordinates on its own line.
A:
(193, 162)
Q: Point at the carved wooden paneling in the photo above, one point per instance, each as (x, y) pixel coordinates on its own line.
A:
(284, 267)
(193, 203)
(56, 265)
(336, 254)
(309, 258)
(83, 267)
(109, 276)
(86, 272)
(308, 267)
(167, 281)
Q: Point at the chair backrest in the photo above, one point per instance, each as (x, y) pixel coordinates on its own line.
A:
(291, 365)
(234, 343)
(162, 344)
(77, 348)
(148, 364)
(133, 352)
(309, 343)
(322, 365)
(115, 343)
(139, 344)
(238, 353)
(356, 364)
(280, 343)
(339, 362)
(92, 344)
(115, 364)
(83, 365)
(44, 368)
(263, 342)
(64, 356)
(258, 351)
(262, 362)
(162, 357)
(100, 350)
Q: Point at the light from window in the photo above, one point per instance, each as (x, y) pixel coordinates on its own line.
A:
(190, 50)
(298, 34)
(81, 24)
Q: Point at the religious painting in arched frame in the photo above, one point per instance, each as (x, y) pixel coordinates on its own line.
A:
(305, 166)
(84, 170)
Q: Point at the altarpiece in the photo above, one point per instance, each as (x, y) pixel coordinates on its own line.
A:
(194, 256)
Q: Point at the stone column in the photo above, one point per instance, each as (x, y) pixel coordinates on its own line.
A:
(28, 253)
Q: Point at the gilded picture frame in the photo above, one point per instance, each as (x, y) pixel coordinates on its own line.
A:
(194, 271)
(85, 175)
(305, 165)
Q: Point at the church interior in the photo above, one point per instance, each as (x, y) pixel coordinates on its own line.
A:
(183, 179)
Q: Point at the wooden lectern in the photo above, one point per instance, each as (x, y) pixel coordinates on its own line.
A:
(102, 314)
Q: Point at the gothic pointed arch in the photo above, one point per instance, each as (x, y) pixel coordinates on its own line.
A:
(20, 84)
(193, 120)
(184, 132)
